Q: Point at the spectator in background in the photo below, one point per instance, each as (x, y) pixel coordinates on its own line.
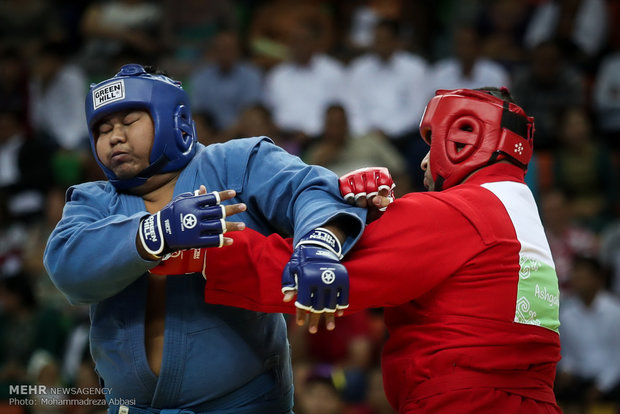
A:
(546, 87)
(37, 234)
(386, 88)
(583, 169)
(25, 23)
(274, 22)
(205, 128)
(342, 152)
(376, 402)
(346, 351)
(610, 254)
(589, 370)
(14, 79)
(299, 90)
(87, 378)
(501, 26)
(57, 89)
(255, 121)
(225, 85)
(24, 166)
(25, 328)
(110, 25)
(606, 97)
(12, 138)
(579, 25)
(364, 16)
(567, 238)
(467, 68)
(12, 239)
(43, 370)
(190, 24)
(321, 393)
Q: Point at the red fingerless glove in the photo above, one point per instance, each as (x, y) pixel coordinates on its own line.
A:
(365, 182)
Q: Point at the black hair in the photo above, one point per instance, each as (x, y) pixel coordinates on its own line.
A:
(392, 25)
(154, 70)
(336, 105)
(502, 93)
(55, 48)
(262, 108)
(20, 285)
(206, 116)
(590, 262)
(10, 53)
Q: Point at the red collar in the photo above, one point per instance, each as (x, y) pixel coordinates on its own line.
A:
(497, 172)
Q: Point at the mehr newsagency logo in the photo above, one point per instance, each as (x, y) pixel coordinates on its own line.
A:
(108, 93)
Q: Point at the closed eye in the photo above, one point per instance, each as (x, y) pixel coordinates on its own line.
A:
(131, 118)
(104, 128)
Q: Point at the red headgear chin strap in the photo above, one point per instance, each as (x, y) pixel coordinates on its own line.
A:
(468, 129)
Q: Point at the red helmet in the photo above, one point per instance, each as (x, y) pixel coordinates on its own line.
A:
(468, 129)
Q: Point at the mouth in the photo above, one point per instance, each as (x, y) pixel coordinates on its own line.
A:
(118, 156)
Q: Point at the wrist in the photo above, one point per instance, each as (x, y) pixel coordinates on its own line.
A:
(151, 236)
(142, 251)
(325, 238)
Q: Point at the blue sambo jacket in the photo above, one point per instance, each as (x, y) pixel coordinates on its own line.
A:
(215, 358)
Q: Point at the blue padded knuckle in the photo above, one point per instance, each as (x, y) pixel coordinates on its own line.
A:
(210, 240)
(211, 212)
(208, 200)
(182, 223)
(211, 226)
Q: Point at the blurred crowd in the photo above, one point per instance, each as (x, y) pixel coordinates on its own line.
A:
(343, 84)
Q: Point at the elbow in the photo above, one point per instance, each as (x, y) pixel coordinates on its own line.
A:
(77, 291)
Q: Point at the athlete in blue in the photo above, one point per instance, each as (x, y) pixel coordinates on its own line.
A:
(155, 343)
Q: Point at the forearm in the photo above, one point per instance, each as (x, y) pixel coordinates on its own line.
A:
(90, 262)
(142, 251)
(248, 274)
(341, 219)
(343, 227)
(388, 267)
(297, 198)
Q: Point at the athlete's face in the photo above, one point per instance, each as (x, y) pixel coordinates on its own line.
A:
(429, 183)
(124, 141)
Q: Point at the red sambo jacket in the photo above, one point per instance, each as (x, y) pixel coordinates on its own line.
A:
(468, 285)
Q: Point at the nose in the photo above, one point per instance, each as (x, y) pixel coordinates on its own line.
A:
(425, 161)
(117, 134)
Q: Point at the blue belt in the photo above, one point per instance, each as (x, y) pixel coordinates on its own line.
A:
(263, 383)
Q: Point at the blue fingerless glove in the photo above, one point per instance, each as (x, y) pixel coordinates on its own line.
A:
(315, 272)
(188, 221)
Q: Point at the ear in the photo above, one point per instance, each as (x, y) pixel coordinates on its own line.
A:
(463, 138)
(184, 129)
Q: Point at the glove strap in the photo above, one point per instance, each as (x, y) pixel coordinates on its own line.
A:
(323, 238)
(151, 235)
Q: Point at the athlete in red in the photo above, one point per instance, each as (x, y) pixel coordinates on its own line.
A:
(464, 272)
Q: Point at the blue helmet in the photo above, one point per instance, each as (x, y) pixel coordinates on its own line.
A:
(174, 144)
